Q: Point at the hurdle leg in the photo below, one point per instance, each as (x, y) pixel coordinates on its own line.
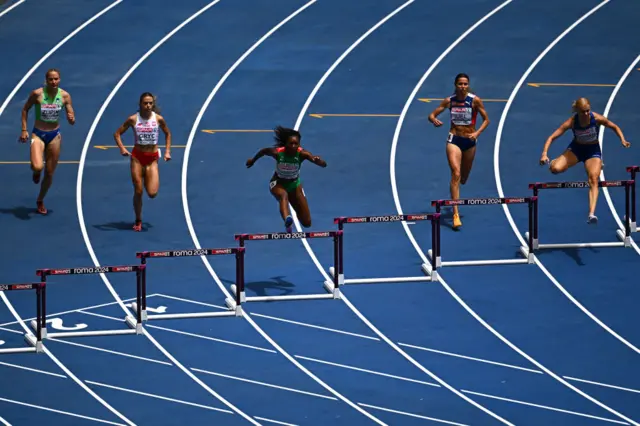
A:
(626, 237)
(136, 323)
(333, 287)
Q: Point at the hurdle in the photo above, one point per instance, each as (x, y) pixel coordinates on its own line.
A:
(233, 305)
(135, 325)
(529, 201)
(432, 275)
(333, 288)
(634, 224)
(625, 239)
(34, 341)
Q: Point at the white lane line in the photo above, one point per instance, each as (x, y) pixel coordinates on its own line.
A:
(194, 237)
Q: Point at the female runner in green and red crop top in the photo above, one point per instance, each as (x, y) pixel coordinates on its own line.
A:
(285, 184)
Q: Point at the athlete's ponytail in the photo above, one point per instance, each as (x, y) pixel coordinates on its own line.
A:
(282, 135)
(155, 107)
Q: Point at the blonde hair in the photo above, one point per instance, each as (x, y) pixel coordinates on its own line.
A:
(579, 102)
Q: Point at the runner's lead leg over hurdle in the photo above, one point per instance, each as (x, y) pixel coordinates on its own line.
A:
(528, 254)
(234, 305)
(34, 341)
(332, 287)
(625, 238)
(634, 224)
(135, 325)
(432, 274)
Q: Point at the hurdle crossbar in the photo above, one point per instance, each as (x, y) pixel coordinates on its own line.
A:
(333, 288)
(634, 224)
(625, 239)
(34, 341)
(134, 324)
(438, 204)
(234, 308)
(432, 275)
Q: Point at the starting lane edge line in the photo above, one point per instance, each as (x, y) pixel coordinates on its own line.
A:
(269, 385)
(195, 238)
(57, 314)
(515, 401)
(404, 413)
(53, 410)
(315, 259)
(348, 333)
(82, 224)
(4, 12)
(606, 111)
(264, 419)
(186, 333)
(164, 398)
(34, 370)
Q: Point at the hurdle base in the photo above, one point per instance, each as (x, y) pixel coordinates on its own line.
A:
(386, 280)
(147, 317)
(232, 305)
(430, 272)
(245, 299)
(625, 242)
(441, 263)
(133, 324)
(34, 327)
(33, 341)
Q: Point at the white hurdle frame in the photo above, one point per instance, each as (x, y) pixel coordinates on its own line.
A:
(634, 224)
(333, 288)
(34, 340)
(134, 324)
(438, 204)
(234, 308)
(430, 270)
(625, 239)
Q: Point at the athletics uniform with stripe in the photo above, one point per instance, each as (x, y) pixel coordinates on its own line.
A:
(462, 114)
(146, 132)
(585, 143)
(48, 111)
(287, 171)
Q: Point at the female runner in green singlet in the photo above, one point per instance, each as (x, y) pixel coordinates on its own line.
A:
(285, 184)
(45, 136)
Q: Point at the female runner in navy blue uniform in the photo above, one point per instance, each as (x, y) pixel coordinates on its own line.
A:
(585, 147)
(464, 107)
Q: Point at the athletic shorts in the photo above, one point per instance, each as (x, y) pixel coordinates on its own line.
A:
(145, 158)
(584, 151)
(462, 143)
(46, 137)
(289, 186)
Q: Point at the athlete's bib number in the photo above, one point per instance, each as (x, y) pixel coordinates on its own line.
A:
(50, 112)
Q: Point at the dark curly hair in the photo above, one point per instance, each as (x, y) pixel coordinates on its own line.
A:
(282, 135)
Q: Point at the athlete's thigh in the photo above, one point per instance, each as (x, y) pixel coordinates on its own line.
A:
(454, 156)
(564, 161)
(593, 166)
(152, 178)
(467, 160)
(299, 202)
(52, 153)
(136, 174)
(37, 152)
(277, 190)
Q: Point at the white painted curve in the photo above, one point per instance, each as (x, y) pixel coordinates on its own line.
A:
(2, 295)
(606, 111)
(194, 236)
(83, 228)
(496, 163)
(320, 267)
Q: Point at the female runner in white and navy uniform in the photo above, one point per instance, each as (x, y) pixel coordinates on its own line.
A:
(464, 107)
(144, 156)
(585, 147)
